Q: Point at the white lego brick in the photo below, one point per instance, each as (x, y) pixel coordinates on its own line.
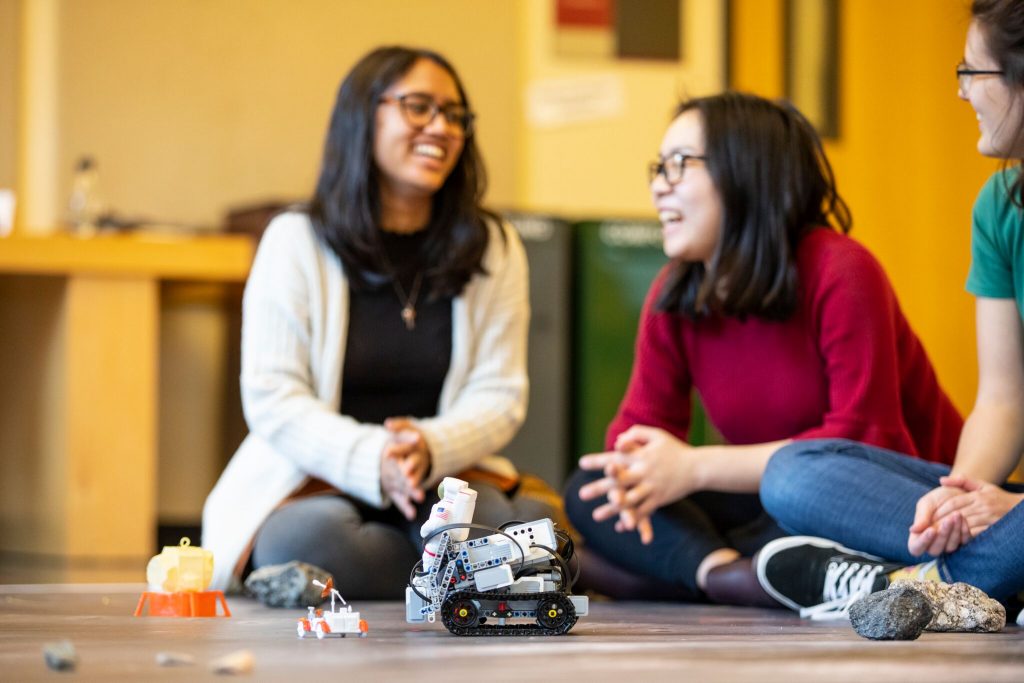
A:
(494, 553)
(414, 605)
(494, 577)
(581, 603)
(539, 532)
(528, 584)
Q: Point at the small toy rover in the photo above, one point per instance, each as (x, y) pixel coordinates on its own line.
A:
(514, 582)
(334, 624)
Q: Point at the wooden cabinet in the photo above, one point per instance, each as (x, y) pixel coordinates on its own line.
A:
(79, 384)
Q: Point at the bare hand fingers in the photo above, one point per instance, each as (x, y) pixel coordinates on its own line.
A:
(961, 482)
(646, 530)
(955, 522)
(627, 477)
(634, 437)
(918, 542)
(397, 424)
(596, 489)
(923, 513)
(605, 512)
(956, 480)
(942, 532)
(597, 461)
(629, 518)
(403, 504)
(951, 505)
(417, 494)
(398, 451)
(636, 495)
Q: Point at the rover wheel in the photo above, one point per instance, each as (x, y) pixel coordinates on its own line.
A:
(556, 614)
(464, 613)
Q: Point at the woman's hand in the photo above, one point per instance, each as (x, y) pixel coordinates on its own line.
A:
(932, 534)
(649, 469)
(982, 505)
(405, 465)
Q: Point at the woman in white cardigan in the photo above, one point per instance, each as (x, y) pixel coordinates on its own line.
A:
(383, 343)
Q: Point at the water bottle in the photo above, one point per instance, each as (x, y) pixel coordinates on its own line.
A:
(85, 206)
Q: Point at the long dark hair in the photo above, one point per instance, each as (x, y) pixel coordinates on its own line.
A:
(345, 209)
(1002, 24)
(775, 183)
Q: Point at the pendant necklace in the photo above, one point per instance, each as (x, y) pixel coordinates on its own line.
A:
(408, 301)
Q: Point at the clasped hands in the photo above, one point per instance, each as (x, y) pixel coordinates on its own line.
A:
(404, 465)
(951, 515)
(649, 468)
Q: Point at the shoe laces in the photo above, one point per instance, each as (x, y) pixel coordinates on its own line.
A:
(845, 584)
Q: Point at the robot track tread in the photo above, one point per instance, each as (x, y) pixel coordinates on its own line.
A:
(556, 614)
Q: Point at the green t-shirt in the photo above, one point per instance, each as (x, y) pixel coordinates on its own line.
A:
(997, 243)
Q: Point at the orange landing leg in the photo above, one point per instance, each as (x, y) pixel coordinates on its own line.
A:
(182, 604)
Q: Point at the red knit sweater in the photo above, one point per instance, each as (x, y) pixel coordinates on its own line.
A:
(846, 364)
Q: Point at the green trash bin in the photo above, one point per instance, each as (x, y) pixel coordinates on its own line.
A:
(615, 263)
(543, 444)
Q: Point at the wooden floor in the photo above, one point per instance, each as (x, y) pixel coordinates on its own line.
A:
(623, 642)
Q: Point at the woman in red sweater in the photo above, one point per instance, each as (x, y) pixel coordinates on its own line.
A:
(786, 328)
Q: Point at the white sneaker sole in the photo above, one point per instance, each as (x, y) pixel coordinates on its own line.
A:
(787, 542)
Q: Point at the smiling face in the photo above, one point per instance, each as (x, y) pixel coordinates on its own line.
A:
(413, 163)
(999, 109)
(691, 210)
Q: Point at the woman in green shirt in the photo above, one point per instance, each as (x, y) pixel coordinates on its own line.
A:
(902, 509)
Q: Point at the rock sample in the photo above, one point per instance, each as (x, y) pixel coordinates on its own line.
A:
(60, 656)
(174, 659)
(900, 613)
(287, 585)
(238, 662)
(959, 607)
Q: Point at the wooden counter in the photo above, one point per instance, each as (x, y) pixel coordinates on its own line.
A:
(79, 338)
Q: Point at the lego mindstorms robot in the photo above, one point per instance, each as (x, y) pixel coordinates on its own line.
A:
(513, 582)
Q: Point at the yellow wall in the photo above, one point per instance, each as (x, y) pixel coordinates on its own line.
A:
(9, 18)
(598, 167)
(905, 160)
(193, 106)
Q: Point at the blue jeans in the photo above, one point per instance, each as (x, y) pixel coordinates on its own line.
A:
(864, 497)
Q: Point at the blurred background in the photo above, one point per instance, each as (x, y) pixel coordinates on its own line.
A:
(205, 115)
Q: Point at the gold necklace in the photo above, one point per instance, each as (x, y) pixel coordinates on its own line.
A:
(408, 302)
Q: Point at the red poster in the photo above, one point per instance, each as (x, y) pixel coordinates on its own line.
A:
(585, 13)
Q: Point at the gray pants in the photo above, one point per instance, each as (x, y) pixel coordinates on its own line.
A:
(370, 552)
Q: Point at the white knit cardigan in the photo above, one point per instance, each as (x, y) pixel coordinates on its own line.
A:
(295, 321)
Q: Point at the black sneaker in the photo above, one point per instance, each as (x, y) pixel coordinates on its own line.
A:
(818, 577)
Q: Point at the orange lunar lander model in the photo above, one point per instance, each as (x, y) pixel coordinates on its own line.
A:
(178, 578)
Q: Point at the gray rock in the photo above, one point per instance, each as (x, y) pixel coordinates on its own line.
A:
(896, 614)
(174, 659)
(287, 585)
(60, 656)
(238, 662)
(959, 607)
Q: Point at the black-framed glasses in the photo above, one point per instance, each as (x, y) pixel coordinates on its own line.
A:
(964, 75)
(419, 109)
(672, 167)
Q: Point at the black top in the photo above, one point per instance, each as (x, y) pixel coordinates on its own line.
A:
(390, 370)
